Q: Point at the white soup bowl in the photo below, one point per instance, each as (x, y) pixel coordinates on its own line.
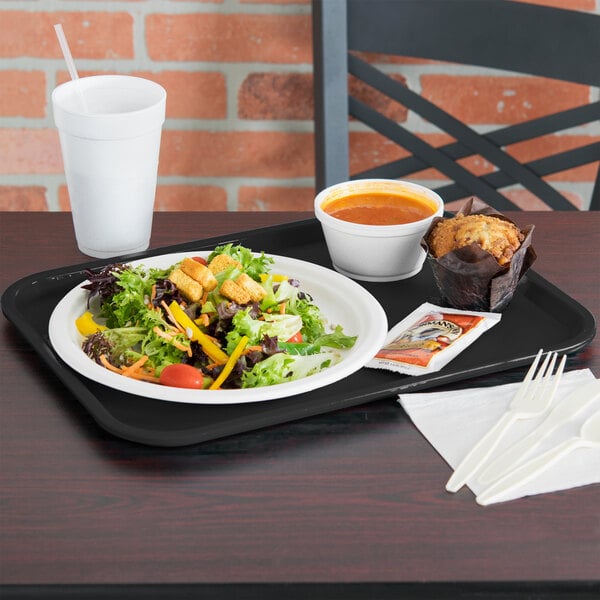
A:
(376, 252)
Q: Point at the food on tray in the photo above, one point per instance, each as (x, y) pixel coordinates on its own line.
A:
(478, 257)
(498, 237)
(380, 208)
(223, 322)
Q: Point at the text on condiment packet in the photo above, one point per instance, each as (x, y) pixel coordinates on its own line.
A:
(429, 338)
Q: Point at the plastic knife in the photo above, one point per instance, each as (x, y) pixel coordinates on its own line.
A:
(575, 402)
(589, 437)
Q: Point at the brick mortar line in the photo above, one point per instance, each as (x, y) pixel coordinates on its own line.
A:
(415, 124)
(154, 7)
(184, 125)
(239, 125)
(45, 179)
(273, 126)
(167, 7)
(418, 125)
(298, 182)
(409, 71)
(24, 63)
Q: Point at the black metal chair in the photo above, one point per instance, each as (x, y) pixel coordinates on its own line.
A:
(499, 34)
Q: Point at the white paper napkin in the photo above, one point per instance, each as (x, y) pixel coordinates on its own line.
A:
(453, 422)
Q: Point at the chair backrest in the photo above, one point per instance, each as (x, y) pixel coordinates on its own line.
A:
(498, 34)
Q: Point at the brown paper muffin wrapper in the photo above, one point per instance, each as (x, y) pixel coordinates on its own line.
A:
(470, 278)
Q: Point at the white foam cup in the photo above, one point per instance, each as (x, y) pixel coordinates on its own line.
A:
(376, 252)
(110, 147)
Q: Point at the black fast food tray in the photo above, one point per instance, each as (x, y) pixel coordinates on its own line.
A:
(539, 316)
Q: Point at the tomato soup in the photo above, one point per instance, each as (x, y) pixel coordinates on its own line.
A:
(380, 208)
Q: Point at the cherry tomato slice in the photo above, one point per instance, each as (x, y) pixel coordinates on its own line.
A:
(296, 338)
(200, 259)
(183, 376)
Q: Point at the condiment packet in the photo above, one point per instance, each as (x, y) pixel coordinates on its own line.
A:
(430, 337)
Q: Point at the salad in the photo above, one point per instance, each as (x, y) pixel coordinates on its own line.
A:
(224, 322)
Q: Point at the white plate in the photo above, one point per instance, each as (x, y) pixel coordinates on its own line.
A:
(341, 300)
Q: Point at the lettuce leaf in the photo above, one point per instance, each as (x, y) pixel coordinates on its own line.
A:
(297, 303)
(127, 313)
(282, 327)
(252, 265)
(134, 286)
(282, 368)
(336, 339)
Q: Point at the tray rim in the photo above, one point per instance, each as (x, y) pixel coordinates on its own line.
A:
(107, 421)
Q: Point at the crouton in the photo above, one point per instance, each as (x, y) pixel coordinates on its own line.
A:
(256, 291)
(221, 262)
(202, 274)
(189, 287)
(232, 291)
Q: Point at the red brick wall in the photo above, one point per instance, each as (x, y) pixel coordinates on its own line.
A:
(238, 134)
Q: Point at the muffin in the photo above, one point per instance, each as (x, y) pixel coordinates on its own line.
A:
(478, 257)
(498, 237)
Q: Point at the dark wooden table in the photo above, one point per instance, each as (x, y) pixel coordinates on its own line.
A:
(344, 505)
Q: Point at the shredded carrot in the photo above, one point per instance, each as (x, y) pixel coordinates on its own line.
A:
(106, 363)
(134, 371)
(171, 316)
(282, 308)
(153, 294)
(143, 376)
(170, 338)
(163, 334)
(181, 347)
(135, 367)
(248, 349)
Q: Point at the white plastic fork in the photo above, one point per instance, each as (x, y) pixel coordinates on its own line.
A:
(532, 399)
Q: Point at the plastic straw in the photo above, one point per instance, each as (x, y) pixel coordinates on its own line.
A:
(64, 46)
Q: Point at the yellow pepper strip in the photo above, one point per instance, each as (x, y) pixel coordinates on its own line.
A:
(216, 384)
(276, 278)
(86, 325)
(212, 350)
